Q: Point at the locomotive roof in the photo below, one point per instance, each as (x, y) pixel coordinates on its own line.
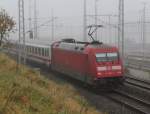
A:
(94, 44)
(87, 45)
(80, 47)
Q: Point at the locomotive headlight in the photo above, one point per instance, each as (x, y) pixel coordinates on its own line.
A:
(102, 68)
(116, 67)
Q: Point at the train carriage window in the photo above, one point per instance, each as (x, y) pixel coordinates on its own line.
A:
(35, 50)
(32, 50)
(39, 51)
(43, 51)
(112, 56)
(27, 49)
(47, 52)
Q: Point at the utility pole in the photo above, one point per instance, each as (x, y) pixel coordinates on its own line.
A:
(30, 15)
(84, 23)
(121, 27)
(109, 19)
(35, 20)
(53, 19)
(144, 29)
(30, 20)
(22, 47)
(96, 12)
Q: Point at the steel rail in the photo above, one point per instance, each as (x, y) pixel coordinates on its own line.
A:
(130, 102)
(141, 101)
(138, 82)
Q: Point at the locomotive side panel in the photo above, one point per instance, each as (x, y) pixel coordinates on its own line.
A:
(73, 64)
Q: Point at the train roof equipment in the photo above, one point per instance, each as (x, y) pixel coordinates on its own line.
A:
(92, 30)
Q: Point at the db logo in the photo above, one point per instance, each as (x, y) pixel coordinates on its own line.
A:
(109, 68)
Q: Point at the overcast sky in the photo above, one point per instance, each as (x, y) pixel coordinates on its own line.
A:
(73, 9)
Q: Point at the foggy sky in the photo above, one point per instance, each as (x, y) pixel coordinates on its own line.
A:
(74, 8)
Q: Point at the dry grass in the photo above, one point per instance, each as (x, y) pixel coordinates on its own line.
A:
(28, 93)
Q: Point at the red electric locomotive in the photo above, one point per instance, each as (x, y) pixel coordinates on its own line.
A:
(93, 63)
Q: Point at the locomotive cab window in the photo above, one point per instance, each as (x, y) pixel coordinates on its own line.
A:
(112, 56)
(104, 57)
(101, 57)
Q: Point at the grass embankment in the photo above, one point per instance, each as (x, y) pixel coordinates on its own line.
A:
(28, 93)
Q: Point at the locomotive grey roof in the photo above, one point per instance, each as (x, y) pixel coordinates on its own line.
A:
(84, 44)
(94, 44)
(79, 47)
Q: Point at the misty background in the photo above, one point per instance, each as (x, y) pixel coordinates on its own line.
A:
(68, 22)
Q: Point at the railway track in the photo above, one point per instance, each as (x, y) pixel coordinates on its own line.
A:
(143, 65)
(134, 103)
(138, 83)
(138, 63)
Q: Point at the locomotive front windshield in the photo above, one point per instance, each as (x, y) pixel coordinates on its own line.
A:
(104, 57)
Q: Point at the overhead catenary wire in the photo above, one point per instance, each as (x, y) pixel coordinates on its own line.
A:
(108, 24)
(43, 24)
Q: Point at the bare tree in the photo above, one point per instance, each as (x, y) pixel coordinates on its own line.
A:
(7, 25)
